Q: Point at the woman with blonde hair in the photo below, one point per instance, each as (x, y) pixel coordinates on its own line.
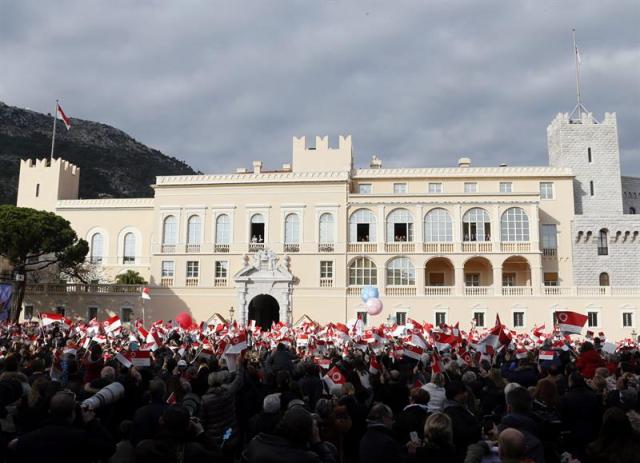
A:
(438, 440)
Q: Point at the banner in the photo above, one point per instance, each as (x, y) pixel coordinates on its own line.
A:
(6, 294)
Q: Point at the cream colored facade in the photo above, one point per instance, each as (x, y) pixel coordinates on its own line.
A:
(441, 244)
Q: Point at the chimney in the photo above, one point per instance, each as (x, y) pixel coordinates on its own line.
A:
(257, 167)
(241, 170)
(286, 167)
(464, 162)
(376, 162)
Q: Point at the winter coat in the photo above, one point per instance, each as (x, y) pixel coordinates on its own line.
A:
(587, 363)
(281, 360)
(218, 410)
(378, 445)
(270, 448)
(581, 413)
(466, 427)
(532, 433)
(412, 418)
(167, 448)
(146, 421)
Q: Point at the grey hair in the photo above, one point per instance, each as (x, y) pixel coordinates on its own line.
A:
(218, 378)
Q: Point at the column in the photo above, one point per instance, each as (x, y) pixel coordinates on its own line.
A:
(536, 279)
(459, 280)
(382, 222)
(534, 228)
(457, 227)
(497, 279)
(419, 226)
(420, 279)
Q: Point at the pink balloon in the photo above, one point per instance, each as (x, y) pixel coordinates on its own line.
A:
(374, 306)
(184, 320)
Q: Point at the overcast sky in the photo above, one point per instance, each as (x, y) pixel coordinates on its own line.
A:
(220, 83)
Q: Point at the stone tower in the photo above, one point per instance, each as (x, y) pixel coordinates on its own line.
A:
(591, 150)
(43, 182)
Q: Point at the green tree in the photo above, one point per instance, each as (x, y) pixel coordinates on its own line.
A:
(33, 240)
(130, 277)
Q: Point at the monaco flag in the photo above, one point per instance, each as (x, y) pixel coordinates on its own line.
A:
(444, 341)
(237, 344)
(145, 294)
(334, 377)
(62, 116)
(113, 324)
(570, 322)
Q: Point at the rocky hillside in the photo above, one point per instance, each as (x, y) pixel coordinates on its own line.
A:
(112, 163)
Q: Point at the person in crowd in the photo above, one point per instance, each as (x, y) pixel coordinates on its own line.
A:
(297, 438)
(466, 426)
(437, 394)
(334, 422)
(588, 360)
(266, 420)
(616, 442)
(147, 418)
(520, 417)
(125, 450)
(59, 439)
(378, 445)
(438, 440)
(414, 415)
(512, 446)
(280, 360)
(310, 385)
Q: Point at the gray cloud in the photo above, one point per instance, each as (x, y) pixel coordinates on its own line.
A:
(221, 83)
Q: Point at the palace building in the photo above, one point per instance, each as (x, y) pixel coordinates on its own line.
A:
(442, 244)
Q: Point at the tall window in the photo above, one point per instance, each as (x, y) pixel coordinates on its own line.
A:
(472, 279)
(549, 238)
(223, 227)
(129, 255)
(362, 226)
(326, 269)
(326, 228)
(222, 269)
(627, 319)
(589, 155)
(401, 318)
(478, 318)
(592, 319)
(470, 187)
(546, 190)
(435, 187)
(440, 318)
(603, 243)
(505, 187)
(193, 269)
(518, 319)
(194, 230)
(399, 226)
(364, 188)
(591, 189)
(97, 244)
(514, 225)
(92, 312)
(604, 279)
(170, 230)
(363, 271)
(168, 269)
(126, 314)
(400, 188)
(438, 226)
(401, 272)
(257, 228)
(476, 225)
(291, 229)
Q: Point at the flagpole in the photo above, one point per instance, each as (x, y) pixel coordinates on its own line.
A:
(578, 96)
(53, 138)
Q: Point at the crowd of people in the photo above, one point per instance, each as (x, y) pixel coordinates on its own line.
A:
(276, 403)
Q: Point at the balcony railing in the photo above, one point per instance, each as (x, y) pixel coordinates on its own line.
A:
(399, 247)
(168, 248)
(166, 281)
(400, 291)
(55, 289)
(524, 246)
(475, 246)
(439, 290)
(549, 252)
(362, 247)
(255, 247)
(478, 290)
(438, 248)
(220, 282)
(191, 281)
(557, 291)
(292, 247)
(221, 248)
(517, 290)
(193, 248)
(325, 247)
(354, 290)
(326, 282)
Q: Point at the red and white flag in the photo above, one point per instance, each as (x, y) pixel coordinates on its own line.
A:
(546, 355)
(413, 352)
(139, 358)
(62, 116)
(237, 344)
(113, 324)
(374, 366)
(145, 294)
(444, 341)
(334, 377)
(570, 322)
(50, 318)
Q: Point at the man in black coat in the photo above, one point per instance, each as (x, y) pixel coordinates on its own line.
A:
(466, 426)
(378, 445)
(520, 417)
(413, 416)
(147, 418)
(58, 440)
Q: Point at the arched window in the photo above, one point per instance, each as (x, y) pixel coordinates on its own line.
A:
(632, 210)
(223, 235)
(194, 230)
(604, 279)
(438, 226)
(363, 271)
(97, 244)
(362, 226)
(257, 228)
(476, 225)
(170, 230)
(399, 226)
(514, 225)
(603, 243)
(129, 247)
(401, 272)
(326, 228)
(291, 229)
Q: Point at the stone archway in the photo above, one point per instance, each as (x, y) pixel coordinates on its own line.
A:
(264, 309)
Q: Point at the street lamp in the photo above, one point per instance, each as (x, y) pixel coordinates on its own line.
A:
(231, 312)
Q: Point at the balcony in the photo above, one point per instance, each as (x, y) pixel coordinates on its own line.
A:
(168, 248)
(292, 247)
(362, 248)
(478, 290)
(220, 282)
(79, 288)
(439, 290)
(400, 291)
(354, 290)
(221, 248)
(477, 247)
(557, 291)
(524, 246)
(191, 281)
(166, 282)
(549, 252)
(396, 248)
(255, 247)
(517, 291)
(325, 247)
(193, 248)
(438, 248)
(326, 282)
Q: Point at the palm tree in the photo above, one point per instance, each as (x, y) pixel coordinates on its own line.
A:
(130, 277)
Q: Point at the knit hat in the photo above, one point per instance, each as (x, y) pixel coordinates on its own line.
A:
(296, 425)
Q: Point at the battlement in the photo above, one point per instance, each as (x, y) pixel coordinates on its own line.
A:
(322, 158)
(586, 119)
(46, 163)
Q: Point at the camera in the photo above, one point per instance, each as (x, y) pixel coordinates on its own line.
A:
(105, 396)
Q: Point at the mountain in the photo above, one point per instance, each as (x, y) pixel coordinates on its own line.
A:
(112, 164)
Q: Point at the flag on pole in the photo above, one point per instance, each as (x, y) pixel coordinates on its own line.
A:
(334, 377)
(145, 294)
(113, 324)
(62, 116)
(570, 322)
